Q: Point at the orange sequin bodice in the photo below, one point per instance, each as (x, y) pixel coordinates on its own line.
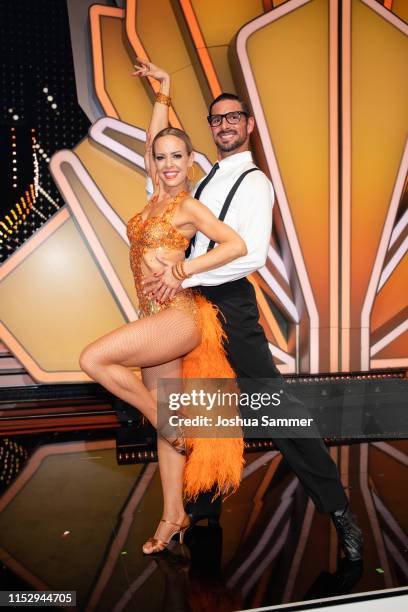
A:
(148, 238)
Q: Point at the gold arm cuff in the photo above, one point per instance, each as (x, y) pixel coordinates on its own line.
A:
(163, 99)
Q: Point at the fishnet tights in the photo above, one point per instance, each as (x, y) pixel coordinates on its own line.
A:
(156, 344)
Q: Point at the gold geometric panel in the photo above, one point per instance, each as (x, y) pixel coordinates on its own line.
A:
(55, 302)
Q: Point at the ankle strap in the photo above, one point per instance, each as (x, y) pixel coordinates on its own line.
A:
(170, 523)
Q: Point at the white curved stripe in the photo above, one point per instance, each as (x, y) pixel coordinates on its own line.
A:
(280, 293)
(380, 257)
(107, 270)
(97, 133)
(393, 452)
(241, 42)
(388, 338)
(277, 261)
(399, 228)
(393, 263)
(285, 357)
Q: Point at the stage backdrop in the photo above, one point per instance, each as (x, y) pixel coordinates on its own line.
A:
(329, 91)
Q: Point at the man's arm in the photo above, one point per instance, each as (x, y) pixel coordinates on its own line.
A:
(254, 210)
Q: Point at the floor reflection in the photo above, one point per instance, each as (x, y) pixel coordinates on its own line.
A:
(72, 519)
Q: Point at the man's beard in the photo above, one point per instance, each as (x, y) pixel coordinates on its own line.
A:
(226, 147)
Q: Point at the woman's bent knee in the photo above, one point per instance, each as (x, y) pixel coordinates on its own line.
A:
(88, 362)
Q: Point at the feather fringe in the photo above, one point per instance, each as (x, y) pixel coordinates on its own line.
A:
(211, 462)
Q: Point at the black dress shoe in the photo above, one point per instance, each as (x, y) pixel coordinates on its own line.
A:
(349, 534)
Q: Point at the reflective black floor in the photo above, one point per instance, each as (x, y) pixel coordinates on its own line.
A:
(72, 519)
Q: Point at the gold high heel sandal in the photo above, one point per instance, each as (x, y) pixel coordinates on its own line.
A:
(157, 545)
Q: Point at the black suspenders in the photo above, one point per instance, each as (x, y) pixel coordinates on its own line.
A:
(226, 204)
(228, 200)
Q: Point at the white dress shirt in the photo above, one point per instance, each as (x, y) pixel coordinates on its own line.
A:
(249, 214)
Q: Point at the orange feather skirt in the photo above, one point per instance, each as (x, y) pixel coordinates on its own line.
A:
(212, 461)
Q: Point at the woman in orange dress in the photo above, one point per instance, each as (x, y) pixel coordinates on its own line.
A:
(177, 335)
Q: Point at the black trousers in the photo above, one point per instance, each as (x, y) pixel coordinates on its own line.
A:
(248, 352)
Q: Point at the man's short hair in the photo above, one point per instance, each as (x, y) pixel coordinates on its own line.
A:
(230, 96)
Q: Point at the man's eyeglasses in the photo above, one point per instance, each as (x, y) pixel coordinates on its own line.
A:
(233, 118)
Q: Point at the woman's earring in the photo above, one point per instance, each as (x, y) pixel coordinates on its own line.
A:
(192, 177)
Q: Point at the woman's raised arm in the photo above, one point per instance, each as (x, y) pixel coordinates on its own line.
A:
(160, 115)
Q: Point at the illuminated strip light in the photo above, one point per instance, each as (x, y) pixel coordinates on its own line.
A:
(280, 294)
(48, 197)
(346, 185)
(267, 534)
(399, 228)
(393, 263)
(97, 133)
(334, 214)
(388, 338)
(277, 261)
(388, 225)
(201, 47)
(242, 38)
(107, 270)
(36, 173)
(372, 515)
(382, 252)
(95, 13)
(138, 48)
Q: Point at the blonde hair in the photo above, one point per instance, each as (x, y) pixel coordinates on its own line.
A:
(172, 131)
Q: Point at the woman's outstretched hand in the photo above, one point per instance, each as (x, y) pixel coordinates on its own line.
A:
(147, 69)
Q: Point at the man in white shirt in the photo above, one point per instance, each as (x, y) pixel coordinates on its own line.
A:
(250, 214)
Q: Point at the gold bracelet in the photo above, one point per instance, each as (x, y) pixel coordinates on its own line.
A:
(163, 99)
(175, 272)
(180, 270)
(183, 270)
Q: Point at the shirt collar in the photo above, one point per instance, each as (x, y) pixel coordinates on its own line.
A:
(236, 159)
